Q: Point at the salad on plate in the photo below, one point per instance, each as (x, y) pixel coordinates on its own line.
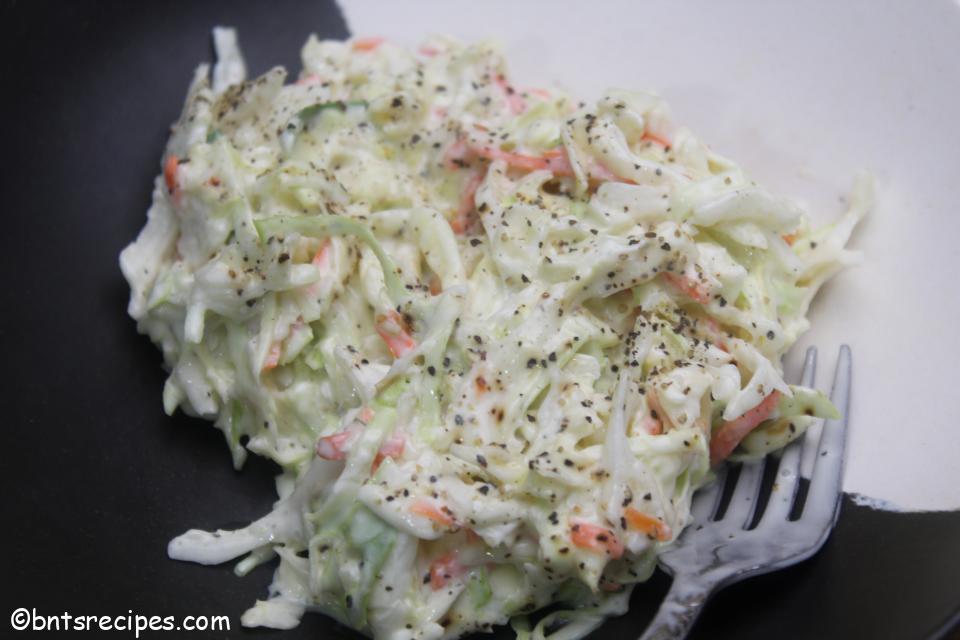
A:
(494, 337)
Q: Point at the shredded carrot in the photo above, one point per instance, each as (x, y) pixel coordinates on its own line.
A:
(429, 509)
(436, 285)
(714, 332)
(606, 585)
(392, 447)
(596, 538)
(541, 93)
(461, 221)
(645, 524)
(514, 160)
(558, 162)
(170, 172)
(444, 569)
(790, 238)
(601, 173)
(333, 447)
(514, 100)
(554, 160)
(456, 155)
(367, 44)
(650, 425)
(394, 332)
(308, 80)
(655, 137)
(461, 152)
(729, 435)
(321, 258)
(273, 356)
(692, 288)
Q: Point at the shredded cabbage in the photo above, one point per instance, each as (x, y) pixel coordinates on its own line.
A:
(493, 336)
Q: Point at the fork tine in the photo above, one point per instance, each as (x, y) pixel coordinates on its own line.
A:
(705, 501)
(823, 498)
(808, 450)
(784, 489)
(744, 499)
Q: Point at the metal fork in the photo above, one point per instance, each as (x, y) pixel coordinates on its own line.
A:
(715, 552)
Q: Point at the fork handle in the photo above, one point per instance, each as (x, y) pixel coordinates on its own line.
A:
(679, 610)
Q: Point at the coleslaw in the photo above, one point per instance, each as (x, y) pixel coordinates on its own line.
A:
(494, 337)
